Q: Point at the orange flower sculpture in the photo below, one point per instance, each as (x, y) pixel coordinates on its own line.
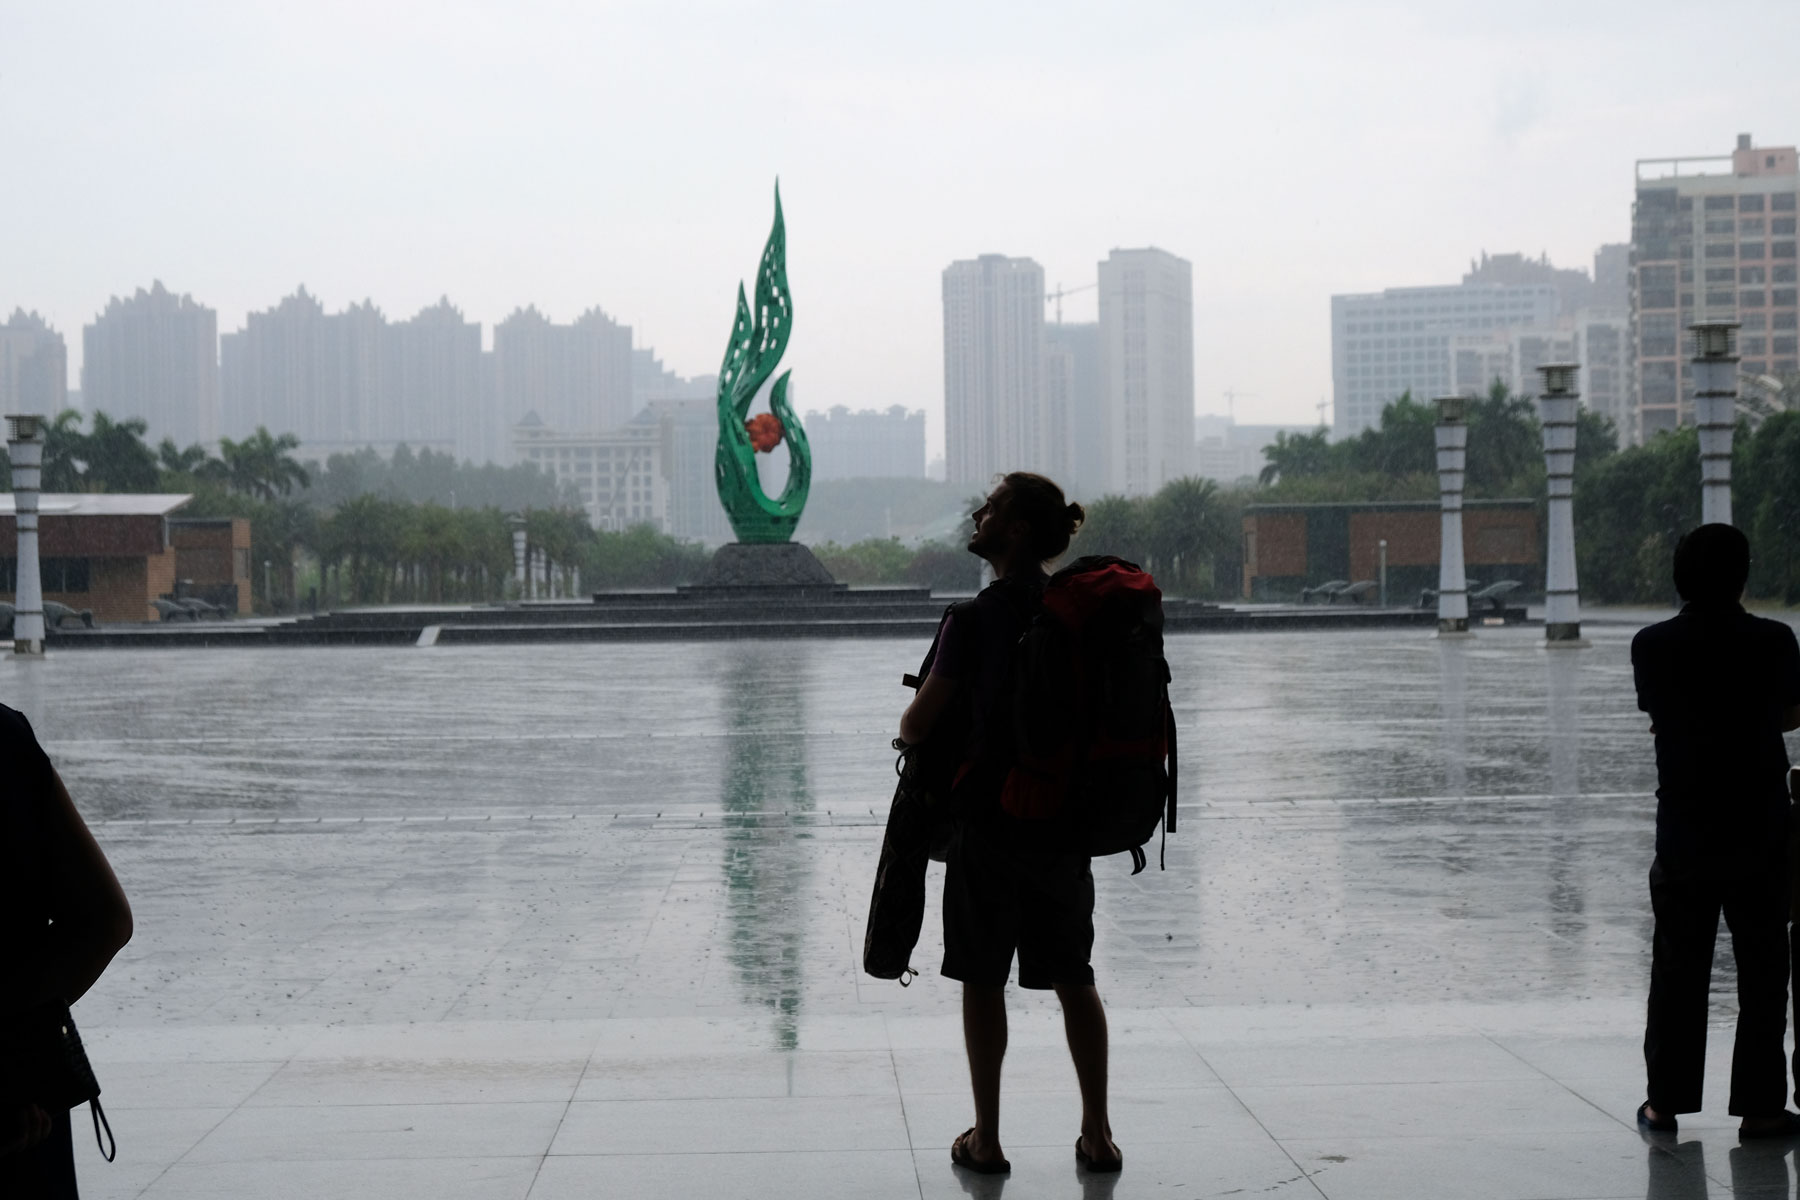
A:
(765, 431)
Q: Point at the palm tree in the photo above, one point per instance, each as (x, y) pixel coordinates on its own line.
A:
(261, 466)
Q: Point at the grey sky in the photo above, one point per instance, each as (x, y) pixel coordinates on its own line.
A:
(622, 155)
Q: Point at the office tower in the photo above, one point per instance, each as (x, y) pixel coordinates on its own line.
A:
(155, 355)
(1147, 368)
(577, 378)
(690, 432)
(867, 444)
(994, 411)
(1077, 402)
(1429, 341)
(34, 367)
(1711, 239)
(1612, 279)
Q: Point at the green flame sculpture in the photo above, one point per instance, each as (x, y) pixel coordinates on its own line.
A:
(758, 340)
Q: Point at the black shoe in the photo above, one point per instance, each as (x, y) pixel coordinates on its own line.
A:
(1661, 1124)
(1789, 1127)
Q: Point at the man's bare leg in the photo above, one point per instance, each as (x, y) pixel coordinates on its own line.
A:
(1084, 1023)
(984, 1037)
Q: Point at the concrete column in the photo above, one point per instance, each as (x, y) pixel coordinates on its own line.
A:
(1562, 599)
(1452, 461)
(25, 445)
(518, 539)
(1715, 414)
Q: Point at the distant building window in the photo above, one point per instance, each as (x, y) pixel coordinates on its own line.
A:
(1753, 275)
(1720, 274)
(1750, 203)
(1724, 299)
(1755, 323)
(1659, 298)
(1781, 249)
(1781, 274)
(1781, 202)
(1781, 320)
(1720, 225)
(1782, 225)
(1751, 299)
(1782, 297)
(1716, 203)
(1784, 345)
(1720, 250)
(1751, 227)
(1754, 345)
(1750, 250)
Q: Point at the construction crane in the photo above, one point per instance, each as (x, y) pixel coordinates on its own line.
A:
(1231, 398)
(1061, 291)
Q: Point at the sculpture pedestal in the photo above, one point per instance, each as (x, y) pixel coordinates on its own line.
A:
(751, 565)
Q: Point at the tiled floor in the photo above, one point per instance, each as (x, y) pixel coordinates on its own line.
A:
(1320, 1105)
(587, 921)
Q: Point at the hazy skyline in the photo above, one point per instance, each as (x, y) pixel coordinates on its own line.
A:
(622, 155)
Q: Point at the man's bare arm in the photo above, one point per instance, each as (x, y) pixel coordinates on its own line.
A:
(922, 714)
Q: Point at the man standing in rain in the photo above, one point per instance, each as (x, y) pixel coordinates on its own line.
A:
(1720, 686)
(1003, 894)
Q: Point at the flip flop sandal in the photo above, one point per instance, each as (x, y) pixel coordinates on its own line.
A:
(960, 1156)
(1086, 1161)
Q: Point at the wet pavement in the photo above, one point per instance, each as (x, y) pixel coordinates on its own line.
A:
(582, 920)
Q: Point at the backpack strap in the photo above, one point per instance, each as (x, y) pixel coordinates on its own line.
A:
(100, 1119)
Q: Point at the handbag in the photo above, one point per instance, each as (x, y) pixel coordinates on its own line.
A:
(46, 1065)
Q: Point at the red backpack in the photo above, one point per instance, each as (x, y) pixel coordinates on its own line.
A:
(1094, 736)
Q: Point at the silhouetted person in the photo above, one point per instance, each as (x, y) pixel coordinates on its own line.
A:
(62, 918)
(1001, 893)
(1720, 686)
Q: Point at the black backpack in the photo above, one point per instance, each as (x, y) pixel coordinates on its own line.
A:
(1094, 736)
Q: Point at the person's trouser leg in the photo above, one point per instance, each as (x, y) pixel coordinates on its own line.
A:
(1687, 921)
(1756, 912)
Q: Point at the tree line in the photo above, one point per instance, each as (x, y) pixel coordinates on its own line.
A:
(1631, 504)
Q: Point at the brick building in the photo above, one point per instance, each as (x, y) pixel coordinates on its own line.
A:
(111, 554)
(1291, 546)
(212, 559)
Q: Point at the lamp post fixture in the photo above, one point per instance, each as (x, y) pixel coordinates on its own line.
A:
(1452, 435)
(25, 445)
(1381, 552)
(1715, 414)
(1562, 599)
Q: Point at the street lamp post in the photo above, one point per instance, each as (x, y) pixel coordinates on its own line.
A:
(25, 445)
(1381, 552)
(1452, 436)
(1562, 598)
(1715, 414)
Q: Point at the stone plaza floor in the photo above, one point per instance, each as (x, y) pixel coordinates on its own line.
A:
(586, 921)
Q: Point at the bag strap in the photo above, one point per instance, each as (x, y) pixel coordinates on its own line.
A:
(99, 1116)
(1168, 825)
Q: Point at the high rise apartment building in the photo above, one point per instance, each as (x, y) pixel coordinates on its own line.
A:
(343, 381)
(867, 444)
(34, 366)
(155, 355)
(577, 378)
(1147, 368)
(1711, 239)
(995, 417)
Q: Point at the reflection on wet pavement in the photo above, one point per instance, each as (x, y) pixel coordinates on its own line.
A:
(539, 920)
